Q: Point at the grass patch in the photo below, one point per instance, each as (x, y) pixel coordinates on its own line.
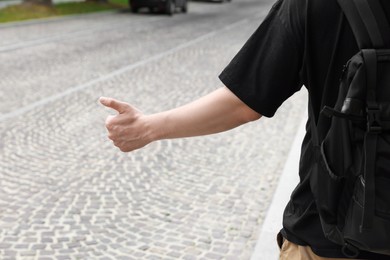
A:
(25, 11)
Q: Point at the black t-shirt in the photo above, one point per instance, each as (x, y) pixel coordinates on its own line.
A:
(300, 43)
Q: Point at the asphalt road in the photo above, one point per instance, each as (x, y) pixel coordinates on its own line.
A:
(67, 193)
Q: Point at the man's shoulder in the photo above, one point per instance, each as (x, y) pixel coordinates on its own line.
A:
(307, 7)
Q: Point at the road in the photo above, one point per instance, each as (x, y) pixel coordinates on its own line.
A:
(67, 193)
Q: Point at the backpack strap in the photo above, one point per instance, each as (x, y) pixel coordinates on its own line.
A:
(368, 22)
(374, 127)
(382, 22)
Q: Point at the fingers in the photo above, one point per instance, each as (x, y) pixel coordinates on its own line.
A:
(126, 146)
(117, 134)
(119, 106)
(125, 129)
(110, 122)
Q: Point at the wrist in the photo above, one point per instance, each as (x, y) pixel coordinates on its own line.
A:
(156, 128)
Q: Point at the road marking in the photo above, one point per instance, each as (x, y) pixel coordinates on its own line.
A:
(114, 73)
(266, 247)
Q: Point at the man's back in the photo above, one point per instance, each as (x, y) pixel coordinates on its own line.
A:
(301, 42)
(329, 44)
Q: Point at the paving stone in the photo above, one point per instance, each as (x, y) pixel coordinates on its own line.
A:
(9, 253)
(125, 258)
(27, 253)
(213, 256)
(174, 254)
(21, 246)
(5, 245)
(38, 247)
(63, 257)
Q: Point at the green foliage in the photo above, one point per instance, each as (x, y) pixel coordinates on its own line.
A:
(26, 12)
(23, 12)
(123, 3)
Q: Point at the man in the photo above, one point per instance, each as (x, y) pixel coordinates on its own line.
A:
(300, 43)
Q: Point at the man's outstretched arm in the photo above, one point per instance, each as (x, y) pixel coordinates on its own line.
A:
(216, 112)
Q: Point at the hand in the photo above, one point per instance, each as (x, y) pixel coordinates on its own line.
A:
(128, 129)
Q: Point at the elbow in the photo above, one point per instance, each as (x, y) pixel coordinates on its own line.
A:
(253, 117)
(249, 115)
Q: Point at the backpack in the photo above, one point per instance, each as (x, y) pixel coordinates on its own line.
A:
(351, 173)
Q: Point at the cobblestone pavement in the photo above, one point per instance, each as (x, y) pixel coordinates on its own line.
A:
(67, 193)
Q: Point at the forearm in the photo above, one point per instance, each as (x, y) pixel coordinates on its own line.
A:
(216, 112)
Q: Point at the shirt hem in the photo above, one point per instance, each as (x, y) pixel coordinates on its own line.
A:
(228, 82)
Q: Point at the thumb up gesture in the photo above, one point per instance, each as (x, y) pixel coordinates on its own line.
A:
(128, 129)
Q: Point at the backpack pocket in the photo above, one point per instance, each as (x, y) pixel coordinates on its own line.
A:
(334, 175)
(382, 202)
(327, 189)
(374, 239)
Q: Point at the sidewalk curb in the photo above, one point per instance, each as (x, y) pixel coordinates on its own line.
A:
(266, 247)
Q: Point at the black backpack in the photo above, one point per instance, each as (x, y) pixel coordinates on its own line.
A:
(351, 176)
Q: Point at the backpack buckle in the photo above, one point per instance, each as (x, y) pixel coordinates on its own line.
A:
(350, 251)
(373, 120)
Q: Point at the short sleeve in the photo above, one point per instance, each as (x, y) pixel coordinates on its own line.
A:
(266, 71)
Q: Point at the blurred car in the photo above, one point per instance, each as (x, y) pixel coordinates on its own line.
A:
(166, 6)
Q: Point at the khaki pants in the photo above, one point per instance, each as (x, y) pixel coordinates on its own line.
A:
(291, 251)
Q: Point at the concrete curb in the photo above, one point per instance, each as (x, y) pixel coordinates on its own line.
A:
(266, 247)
